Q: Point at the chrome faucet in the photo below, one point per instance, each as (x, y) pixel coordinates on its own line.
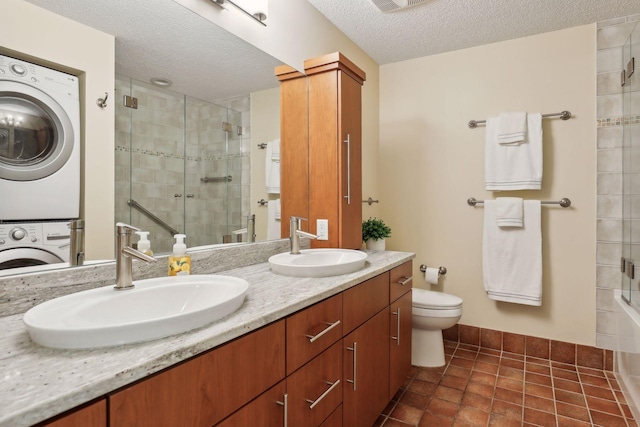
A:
(76, 245)
(295, 233)
(124, 252)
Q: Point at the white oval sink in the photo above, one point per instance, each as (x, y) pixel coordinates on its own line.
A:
(318, 262)
(155, 308)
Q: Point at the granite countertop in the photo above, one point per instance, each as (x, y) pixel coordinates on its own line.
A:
(39, 382)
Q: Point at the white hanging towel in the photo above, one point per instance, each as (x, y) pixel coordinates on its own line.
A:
(272, 167)
(273, 220)
(512, 257)
(509, 212)
(512, 128)
(514, 166)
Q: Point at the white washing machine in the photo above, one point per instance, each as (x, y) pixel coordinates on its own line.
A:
(32, 244)
(39, 142)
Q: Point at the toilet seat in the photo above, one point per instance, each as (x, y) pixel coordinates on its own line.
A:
(430, 300)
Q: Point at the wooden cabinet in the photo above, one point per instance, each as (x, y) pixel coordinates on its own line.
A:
(92, 415)
(400, 325)
(335, 149)
(207, 388)
(267, 410)
(321, 148)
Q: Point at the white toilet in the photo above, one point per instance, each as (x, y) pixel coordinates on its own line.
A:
(431, 313)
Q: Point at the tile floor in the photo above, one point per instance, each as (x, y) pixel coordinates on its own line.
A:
(480, 386)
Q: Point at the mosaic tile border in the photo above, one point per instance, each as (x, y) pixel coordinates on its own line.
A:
(618, 121)
(178, 156)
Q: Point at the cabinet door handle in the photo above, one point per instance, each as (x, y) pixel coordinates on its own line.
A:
(405, 281)
(323, 395)
(355, 363)
(348, 196)
(312, 338)
(284, 403)
(397, 337)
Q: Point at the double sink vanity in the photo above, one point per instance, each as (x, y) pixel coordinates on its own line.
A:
(282, 350)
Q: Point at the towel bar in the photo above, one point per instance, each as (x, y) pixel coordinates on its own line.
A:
(564, 202)
(564, 115)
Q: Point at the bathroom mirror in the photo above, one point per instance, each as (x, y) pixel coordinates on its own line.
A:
(207, 66)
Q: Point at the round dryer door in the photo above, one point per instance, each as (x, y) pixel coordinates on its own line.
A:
(26, 257)
(36, 135)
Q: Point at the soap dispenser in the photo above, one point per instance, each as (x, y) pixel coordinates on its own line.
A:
(144, 245)
(179, 261)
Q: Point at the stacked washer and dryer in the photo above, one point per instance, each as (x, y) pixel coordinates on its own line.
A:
(39, 163)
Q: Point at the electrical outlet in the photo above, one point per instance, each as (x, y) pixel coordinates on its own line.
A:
(322, 229)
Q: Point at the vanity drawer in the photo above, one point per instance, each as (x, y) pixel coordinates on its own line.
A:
(207, 388)
(401, 280)
(315, 390)
(363, 301)
(312, 330)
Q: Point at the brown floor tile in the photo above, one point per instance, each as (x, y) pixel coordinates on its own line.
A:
(602, 405)
(395, 423)
(406, 413)
(465, 354)
(513, 343)
(488, 358)
(608, 420)
(608, 360)
(538, 369)
(560, 384)
(477, 401)
(600, 392)
(429, 419)
(507, 409)
(590, 357)
(422, 387)
(431, 375)
(481, 389)
(564, 374)
(538, 390)
(469, 335)
(485, 367)
(570, 422)
(532, 378)
(499, 420)
(563, 352)
(564, 366)
(490, 351)
(511, 373)
(448, 394)
(626, 411)
(415, 400)
(454, 382)
(537, 347)
(458, 371)
(451, 334)
(512, 363)
(483, 378)
(539, 417)
(387, 410)
(381, 419)
(490, 338)
(571, 398)
(443, 408)
(472, 416)
(614, 383)
(464, 363)
(594, 381)
(539, 403)
(510, 396)
(572, 411)
(591, 371)
(537, 360)
(510, 384)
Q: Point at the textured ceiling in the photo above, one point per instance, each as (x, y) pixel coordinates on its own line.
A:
(437, 26)
(156, 38)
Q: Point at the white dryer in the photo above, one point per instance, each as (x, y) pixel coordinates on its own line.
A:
(32, 244)
(39, 142)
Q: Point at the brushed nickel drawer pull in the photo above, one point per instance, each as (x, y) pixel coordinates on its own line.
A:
(355, 363)
(397, 338)
(284, 403)
(315, 402)
(312, 338)
(405, 281)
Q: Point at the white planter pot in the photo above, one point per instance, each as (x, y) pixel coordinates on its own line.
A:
(375, 245)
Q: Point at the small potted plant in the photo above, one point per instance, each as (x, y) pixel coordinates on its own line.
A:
(374, 231)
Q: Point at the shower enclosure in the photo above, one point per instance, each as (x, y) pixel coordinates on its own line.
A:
(181, 166)
(630, 80)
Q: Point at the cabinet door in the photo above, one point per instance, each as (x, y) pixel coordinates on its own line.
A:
(93, 415)
(363, 301)
(312, 330)
(334, 420)
(315, 390)
(400, 325)
(267, 410)
(366, 371)
(401, 280)
(207, 388)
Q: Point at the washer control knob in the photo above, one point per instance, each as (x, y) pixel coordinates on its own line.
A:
(2, 242)
(18, 234)
(18, 69)
(34, 239)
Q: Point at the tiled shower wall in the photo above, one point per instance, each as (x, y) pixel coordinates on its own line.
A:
(153, 165)
(612, 35)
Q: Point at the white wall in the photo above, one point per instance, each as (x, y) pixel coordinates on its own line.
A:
(39, 36)
(431, 162)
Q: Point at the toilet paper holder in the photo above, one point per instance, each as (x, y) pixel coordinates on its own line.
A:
(441, 270)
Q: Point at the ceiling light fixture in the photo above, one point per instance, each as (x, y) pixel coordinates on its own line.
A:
(161, 81)
(258, 16)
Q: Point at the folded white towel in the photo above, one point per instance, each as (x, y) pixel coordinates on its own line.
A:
(273, 224)
(512, 257)
(272, 167)
(509, 212)
(514, 167)
(512, 128)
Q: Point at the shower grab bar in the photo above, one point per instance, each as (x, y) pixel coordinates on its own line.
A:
(227, 178)
(564, 115)
(151, 216)
(564, 202)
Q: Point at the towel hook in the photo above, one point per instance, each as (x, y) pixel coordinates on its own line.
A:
(102, 102)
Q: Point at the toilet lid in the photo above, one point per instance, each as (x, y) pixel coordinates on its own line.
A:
(435, 300)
